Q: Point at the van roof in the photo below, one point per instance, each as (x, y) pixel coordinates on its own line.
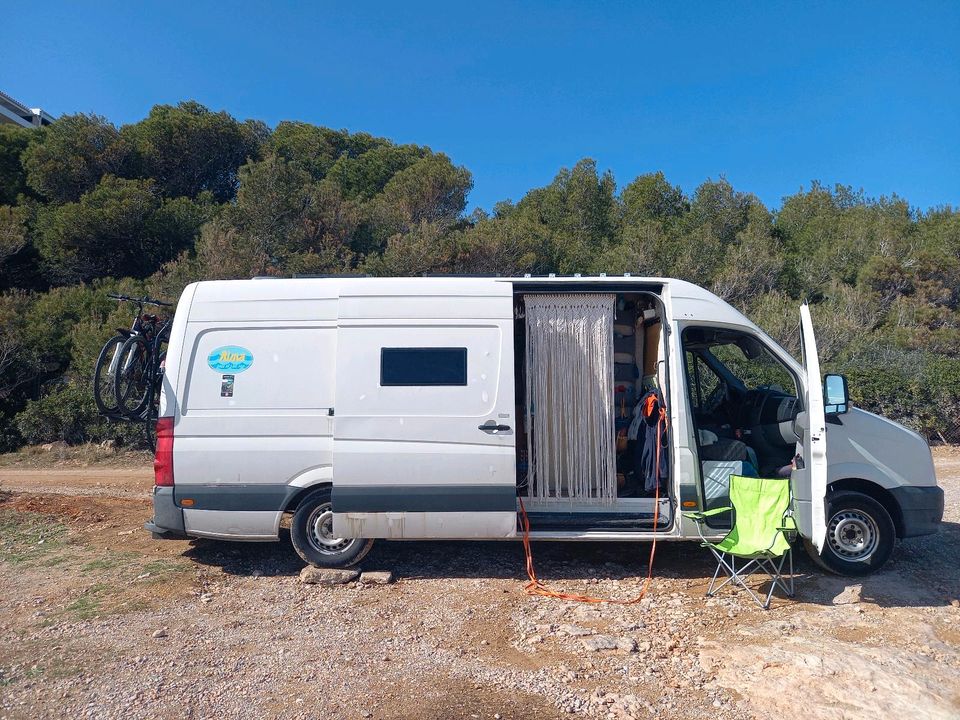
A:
(684, 299)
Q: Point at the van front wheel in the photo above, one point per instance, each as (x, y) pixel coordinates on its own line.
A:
(860, 535)
(311, 533)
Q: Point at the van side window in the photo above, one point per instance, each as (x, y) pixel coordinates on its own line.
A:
(423, 366)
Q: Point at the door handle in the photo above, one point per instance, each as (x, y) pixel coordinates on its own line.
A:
(490, 427)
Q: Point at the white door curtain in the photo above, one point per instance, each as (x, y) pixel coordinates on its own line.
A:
(570, 409)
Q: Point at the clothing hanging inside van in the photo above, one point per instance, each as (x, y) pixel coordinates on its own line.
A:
(570, 410)
(651, 452)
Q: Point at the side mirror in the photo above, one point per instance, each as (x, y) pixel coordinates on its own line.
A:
(836, 398)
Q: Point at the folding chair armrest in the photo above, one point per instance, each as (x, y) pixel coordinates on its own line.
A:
(702, 516)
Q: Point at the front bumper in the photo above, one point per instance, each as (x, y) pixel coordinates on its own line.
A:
(921, 508)
(167, 522)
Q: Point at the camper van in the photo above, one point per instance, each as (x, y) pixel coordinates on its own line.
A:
(606, 407)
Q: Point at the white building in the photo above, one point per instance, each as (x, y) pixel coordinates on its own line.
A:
(15, 113)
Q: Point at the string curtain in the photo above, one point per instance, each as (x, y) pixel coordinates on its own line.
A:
(570, 408)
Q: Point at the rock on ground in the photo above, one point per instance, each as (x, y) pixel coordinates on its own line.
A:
(327, 576)
(376, 577)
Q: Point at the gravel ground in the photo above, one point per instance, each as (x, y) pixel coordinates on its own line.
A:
(98, 620)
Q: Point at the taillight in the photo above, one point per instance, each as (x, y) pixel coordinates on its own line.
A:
(163, 460)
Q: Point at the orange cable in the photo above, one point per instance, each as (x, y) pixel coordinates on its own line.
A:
(538, 587)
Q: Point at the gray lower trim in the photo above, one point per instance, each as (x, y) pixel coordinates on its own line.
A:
(424, 498)
(258, 498)
(921, 508)
(167, 517)
(354, 498)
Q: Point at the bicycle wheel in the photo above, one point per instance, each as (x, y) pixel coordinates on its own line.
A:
(104, 374)
(150, 431)
(133, 377)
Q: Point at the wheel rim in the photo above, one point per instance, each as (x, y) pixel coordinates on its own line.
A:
(320, 532)
(106, 377)
(853, 535)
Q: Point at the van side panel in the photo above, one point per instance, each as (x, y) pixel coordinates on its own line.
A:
(247, 431)
(411, 459)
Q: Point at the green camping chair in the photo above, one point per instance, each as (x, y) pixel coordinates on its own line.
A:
(762, 525)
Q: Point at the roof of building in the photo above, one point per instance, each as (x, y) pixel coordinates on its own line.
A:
(15, 112)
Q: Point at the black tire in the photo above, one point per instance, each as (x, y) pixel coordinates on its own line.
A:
(860, 535)
(310, 535)
(133, 377)
(150, 427)
(104, 381)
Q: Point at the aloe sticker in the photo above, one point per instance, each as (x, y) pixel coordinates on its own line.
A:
(230, 358)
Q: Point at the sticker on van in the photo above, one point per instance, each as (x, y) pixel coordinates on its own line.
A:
(230, 358)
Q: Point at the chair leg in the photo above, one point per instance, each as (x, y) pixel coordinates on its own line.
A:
(720, 564)
(739, 576)
(733, 574)
(773, 586)
(788, 589)
(792, 589)
(775, 570)
(750, 591)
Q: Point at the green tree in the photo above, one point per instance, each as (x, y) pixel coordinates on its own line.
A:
(68, 158)
(13, 178)
(187, 149)
(752, 265)
(316, 149)
(120, 228)
(363, 176)
(13, 233)
(651, 197)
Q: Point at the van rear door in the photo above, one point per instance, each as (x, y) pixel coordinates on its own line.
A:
(424, 422)
(814, 441)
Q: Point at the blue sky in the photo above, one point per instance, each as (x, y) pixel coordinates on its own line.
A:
(770, 95)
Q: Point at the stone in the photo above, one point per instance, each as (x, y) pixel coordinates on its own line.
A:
(327, 576)
(161, 633)
(376, 577)
(849, 596)
(598, 642)
(627, 645)
(574, 630)
(955, 603)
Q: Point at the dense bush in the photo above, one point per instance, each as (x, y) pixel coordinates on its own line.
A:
(188, 193)
(66, 412)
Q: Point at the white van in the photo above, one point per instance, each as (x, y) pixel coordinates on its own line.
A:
(407, 408)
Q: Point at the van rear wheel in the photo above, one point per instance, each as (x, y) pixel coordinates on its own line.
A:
(311, 533)
(860, 535)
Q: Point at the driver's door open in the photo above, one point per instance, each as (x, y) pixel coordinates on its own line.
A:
(743, 400)
(809, 479)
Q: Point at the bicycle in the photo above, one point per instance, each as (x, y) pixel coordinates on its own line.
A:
(105, 370)
(140, 373)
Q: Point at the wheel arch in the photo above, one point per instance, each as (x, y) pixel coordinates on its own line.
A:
(295, 498)
(875, 491)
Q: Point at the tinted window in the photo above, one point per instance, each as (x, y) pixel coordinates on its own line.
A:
(423, 366)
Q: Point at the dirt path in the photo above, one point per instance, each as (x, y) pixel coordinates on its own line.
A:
(99, 620)
(108, 482)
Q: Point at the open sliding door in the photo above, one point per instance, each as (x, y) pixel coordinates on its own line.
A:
(424, 424)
